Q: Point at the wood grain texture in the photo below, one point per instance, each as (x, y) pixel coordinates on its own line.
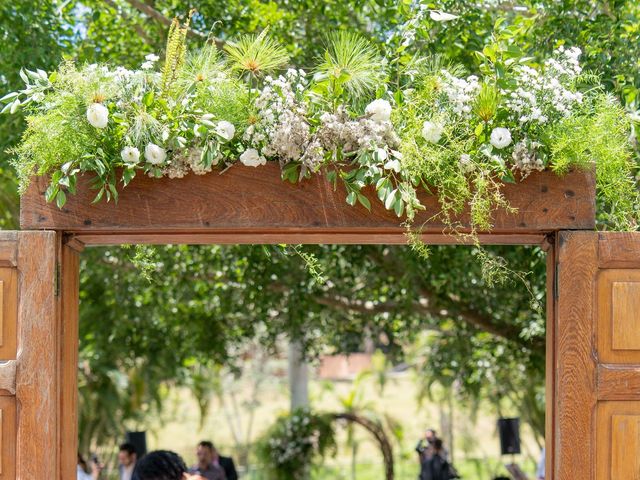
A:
(550, 355)
(295, 237)
(7, 439)
(619, 250)
(68, 359)
(8, 377)
(625, 445)
(625, 307)
(616, 314)
(618, 431)
(617, 382)
(256, 200)
(8, 249)
(8, 313)
(575, 366)
(37, 358)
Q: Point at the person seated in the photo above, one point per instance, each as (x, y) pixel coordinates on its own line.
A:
(208, 465)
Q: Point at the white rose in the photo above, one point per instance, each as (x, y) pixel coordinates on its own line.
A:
(154, 154)
(432, 132)
(98, 115)
(226, 130)
(252, 158)
(379, 110)
(130, 155)
(500, 137)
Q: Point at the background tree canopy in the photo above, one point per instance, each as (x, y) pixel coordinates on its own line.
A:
(203, 302)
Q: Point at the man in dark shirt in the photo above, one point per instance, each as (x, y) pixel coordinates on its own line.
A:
(436, 466)
(228, 466)
(208, 465)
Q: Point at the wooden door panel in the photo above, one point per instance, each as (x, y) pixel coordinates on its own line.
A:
(596, 394)
(7, 438)
(30, 356)
(8, 312)
(618, 316)
(618, 435)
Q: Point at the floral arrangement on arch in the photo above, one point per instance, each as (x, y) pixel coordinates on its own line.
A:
(292, 446)
(423, 124)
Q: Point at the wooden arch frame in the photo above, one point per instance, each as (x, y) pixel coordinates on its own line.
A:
(254, 206)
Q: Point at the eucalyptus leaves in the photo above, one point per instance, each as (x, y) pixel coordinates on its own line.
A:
(422, 125)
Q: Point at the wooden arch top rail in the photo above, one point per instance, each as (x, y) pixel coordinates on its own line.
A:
(253, 205)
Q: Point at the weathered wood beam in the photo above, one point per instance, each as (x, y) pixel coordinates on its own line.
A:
(254, 203)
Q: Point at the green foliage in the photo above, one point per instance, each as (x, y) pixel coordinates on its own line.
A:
(175, 52)
(460, 137)
(352, 67)
(51, 139)
(257, 54)
(607, 127)
(295, 444)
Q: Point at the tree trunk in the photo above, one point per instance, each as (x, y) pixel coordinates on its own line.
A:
(298, 377)
(298, 383)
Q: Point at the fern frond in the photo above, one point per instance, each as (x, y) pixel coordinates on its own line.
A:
(176, 51)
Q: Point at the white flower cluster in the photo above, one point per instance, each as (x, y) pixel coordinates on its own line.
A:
(151, 60)
(460, 92)
(566, 64)
(282, 130)
(525, 157)
(295, 442)
(372, 132)
(543, 95)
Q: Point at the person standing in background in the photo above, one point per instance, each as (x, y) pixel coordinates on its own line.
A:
(541, 465)
(127, 459)
(208, 466)
(82, 469)
(436, 466)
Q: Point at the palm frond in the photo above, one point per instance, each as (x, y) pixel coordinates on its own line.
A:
(353, 59)
(257, 54)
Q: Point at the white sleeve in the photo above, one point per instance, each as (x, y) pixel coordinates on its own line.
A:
(82, 475)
